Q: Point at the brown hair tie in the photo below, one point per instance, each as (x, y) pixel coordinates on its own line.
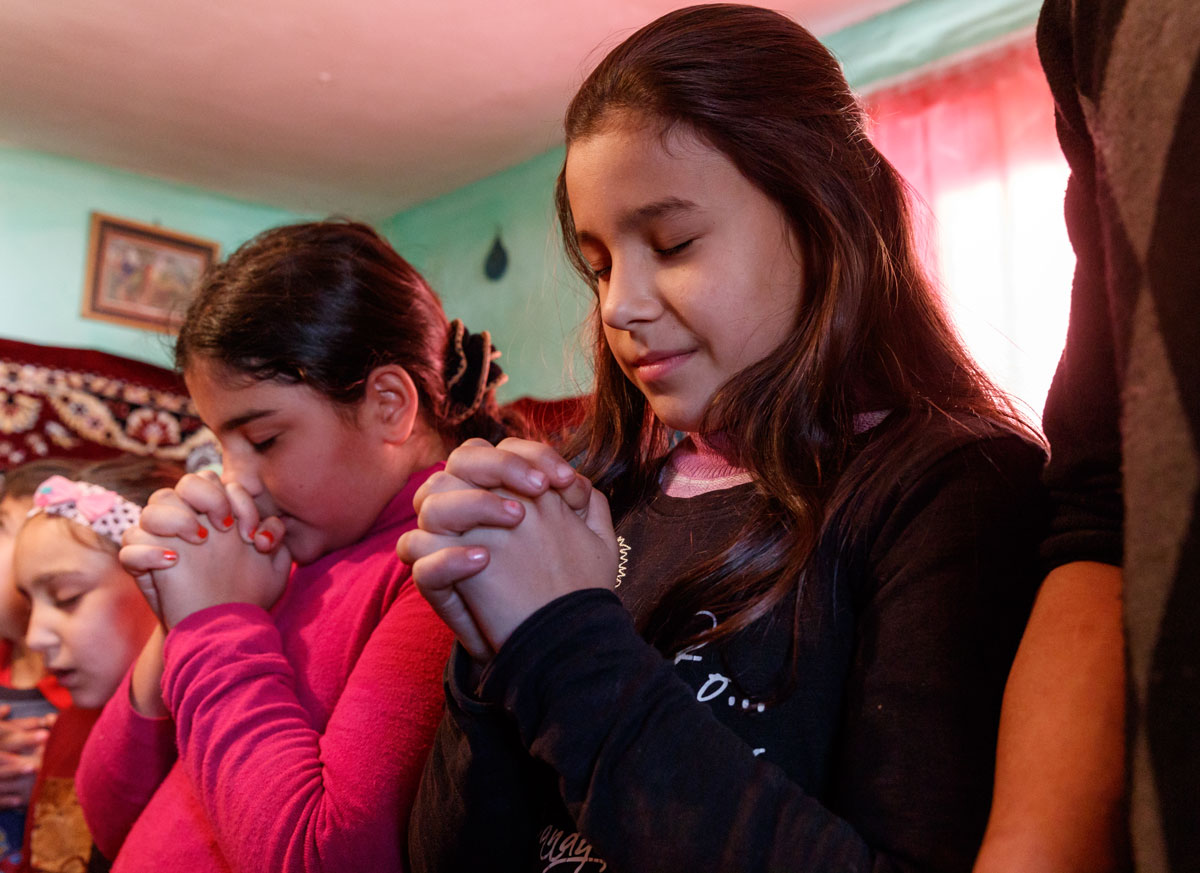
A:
(471, 371)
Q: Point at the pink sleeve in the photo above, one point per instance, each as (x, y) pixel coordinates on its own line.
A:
(280, 795)
(126, 757)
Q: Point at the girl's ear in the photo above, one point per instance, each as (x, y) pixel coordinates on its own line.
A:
(391, 403)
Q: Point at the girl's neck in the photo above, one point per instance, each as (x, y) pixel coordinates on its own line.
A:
(699, 465)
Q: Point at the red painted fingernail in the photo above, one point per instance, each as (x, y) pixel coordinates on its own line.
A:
(169, 555)
(202, 533)
(227, 521)
(266, 533)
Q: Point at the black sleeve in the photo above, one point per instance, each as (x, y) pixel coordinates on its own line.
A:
(656, 783)
(475, 807)
(1082, 414)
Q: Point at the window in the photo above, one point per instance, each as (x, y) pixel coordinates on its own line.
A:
(977, 142)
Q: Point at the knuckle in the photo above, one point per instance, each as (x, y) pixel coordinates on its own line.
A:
(161, 495)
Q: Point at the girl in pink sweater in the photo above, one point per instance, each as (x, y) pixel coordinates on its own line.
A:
(279, 720)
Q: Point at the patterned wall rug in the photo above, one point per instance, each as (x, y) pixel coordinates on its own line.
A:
(60, 402)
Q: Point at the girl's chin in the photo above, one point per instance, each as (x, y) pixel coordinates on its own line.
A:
(85, 696)
(304, 549)
(678, 420)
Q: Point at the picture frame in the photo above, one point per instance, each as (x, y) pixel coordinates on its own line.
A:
(142, 275)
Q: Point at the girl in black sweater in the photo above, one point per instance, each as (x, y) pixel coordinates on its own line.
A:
(791, 653)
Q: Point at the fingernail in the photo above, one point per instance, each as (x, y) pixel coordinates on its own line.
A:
(227, 522)
(512, 507)
(476, 555)
(267, 535)
(564, 471)
(536, 478)
(202, 532)
(169, 555)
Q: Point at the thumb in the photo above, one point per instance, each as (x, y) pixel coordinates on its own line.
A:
(268, 536)
(599, 518)
(281, 560)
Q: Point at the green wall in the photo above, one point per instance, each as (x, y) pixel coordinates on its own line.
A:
(535, 309)
(924, 32)
(45, 206)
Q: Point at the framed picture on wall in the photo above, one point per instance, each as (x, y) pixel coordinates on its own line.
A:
(142, 275)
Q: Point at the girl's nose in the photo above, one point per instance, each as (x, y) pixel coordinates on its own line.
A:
(40, 634)
(628, 297)
(239, 466)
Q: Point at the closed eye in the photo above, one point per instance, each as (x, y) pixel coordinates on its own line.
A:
(66, 604)
(674, 250)
(263, 445)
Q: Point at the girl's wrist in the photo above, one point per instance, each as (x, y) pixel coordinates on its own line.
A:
(145, 685)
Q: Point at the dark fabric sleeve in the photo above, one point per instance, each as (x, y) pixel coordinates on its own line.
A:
(1082, 414)
(656, 783)
(475, 807)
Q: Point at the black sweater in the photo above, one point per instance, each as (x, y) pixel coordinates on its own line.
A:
(880, 756)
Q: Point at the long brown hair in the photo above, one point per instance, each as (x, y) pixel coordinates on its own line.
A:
(871, 334)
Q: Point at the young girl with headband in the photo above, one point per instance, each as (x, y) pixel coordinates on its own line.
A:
(88, 620)
(818, 590)
(283, 721)
(29, 696)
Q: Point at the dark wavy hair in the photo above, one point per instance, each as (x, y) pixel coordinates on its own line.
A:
(871, 334)
(323, 304)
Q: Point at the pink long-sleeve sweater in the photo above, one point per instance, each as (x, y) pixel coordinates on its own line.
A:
(297, 737)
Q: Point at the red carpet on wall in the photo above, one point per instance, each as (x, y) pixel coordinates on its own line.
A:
(61, 402)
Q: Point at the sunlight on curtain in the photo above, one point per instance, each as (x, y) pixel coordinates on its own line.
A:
(976, 140)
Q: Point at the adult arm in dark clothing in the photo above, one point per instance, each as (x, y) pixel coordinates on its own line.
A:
(656, 783)
(1061, 754)
(1082, 415)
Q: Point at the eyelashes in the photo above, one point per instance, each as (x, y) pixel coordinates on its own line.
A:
(263, 445)
(600, 273)
(674, 250)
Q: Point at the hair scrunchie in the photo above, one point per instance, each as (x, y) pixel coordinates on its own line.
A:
(471, 371)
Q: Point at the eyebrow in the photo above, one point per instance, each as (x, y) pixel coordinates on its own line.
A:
(245, 418)
(638, 217)
(44, 580)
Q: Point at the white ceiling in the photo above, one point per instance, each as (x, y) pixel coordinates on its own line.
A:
(364, 107)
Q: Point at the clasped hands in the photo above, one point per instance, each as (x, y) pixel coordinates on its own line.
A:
(203, 543)
(502, 531)
(22, 741)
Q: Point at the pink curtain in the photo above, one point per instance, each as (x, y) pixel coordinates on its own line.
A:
(976, 141)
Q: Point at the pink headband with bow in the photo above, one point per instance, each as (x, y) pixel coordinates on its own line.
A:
(93, 506)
